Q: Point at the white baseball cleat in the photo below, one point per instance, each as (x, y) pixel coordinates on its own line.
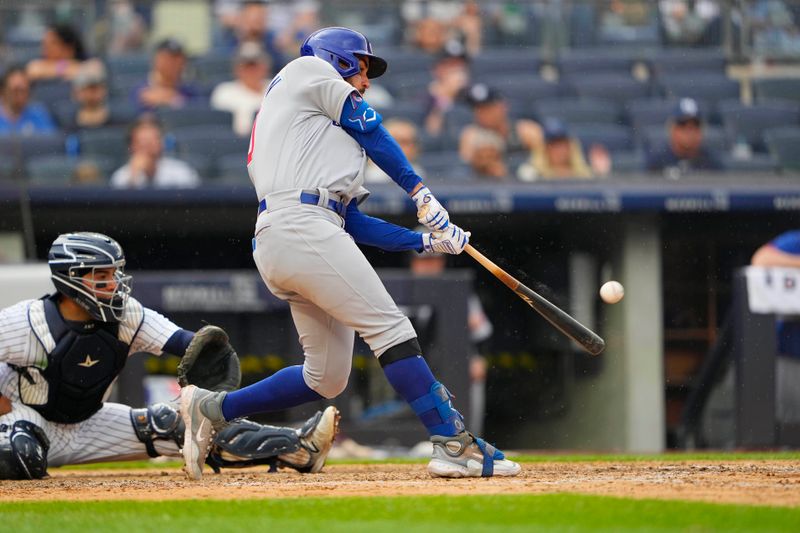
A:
(465, 455)
(196, 404)
(316, 440)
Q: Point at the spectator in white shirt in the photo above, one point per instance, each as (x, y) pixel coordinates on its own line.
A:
(242, 96)
(147, 166)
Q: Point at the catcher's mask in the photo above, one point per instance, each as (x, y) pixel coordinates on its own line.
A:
(88, 268)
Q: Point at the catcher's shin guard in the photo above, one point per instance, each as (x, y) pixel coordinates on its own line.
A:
(157, 422)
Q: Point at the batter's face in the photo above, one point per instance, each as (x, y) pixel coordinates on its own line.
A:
(360, 81)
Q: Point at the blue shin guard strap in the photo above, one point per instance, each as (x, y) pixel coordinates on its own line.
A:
(490, 455)
(439, 399)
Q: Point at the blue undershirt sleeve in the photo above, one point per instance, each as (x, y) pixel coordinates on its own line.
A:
(178, 342)
(384, 151)
(379, 233)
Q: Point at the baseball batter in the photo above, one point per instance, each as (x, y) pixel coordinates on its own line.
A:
(60, 354)
(308, 147)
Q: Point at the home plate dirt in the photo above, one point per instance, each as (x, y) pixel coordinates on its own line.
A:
(739, 482)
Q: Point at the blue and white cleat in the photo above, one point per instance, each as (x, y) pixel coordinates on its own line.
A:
(465, 455)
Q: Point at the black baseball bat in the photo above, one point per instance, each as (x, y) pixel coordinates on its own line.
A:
(588, 339)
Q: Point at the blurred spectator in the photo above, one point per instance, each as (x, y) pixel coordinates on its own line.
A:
(122, 30)
(165, 86)
(90, 93)
(774, 28)
(304, 22)
(18, 116)
(684, 150)
(243, 96)
(469, 26)
(450, 76)
(783, 251)
(556, 155)
(62, 54)
(406, 135)
(491, 113)
(487, 156)
(432, 264)
(430, 35)
(252, 25)
(688, 22)
(147, 166)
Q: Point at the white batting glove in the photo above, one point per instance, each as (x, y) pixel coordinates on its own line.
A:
(430, 212)
(450, 241)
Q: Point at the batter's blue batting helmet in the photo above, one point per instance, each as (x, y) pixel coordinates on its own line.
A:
(341, 47)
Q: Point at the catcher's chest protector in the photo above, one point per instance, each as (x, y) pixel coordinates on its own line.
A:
(85, 361)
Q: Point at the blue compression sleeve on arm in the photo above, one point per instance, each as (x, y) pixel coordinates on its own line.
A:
(384, 150)
(379, 233)
(177, 344)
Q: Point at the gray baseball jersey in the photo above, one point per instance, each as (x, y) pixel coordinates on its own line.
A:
(106, 435)
(302, 251)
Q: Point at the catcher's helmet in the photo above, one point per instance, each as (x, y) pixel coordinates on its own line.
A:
(341, 47)
(72, 256)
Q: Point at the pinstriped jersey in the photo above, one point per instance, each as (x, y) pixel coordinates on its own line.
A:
(297, 142)
(25, 339)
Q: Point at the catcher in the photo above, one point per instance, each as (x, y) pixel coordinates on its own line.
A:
(60, 354)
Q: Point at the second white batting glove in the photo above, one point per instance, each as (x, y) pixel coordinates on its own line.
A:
(430, 212)
(450, 241)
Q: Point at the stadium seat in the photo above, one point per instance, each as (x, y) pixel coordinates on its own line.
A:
(130, 64)
(404, 61)
(445, 167)
(654, 112)
(51, 169)
(777, 89)
(755, 163)
(704, 88)
(627, 162)
(522, 91)
(201, 116)
(614, 61)
(49, 92)
(122, 85)
(232, 169)
(750, 122)
(783, 144)
(505, 60)
(213, 67)
(404, 110)
(213, 142)
(578, 110)
(667, 63)
(409, 86)
(609, 87)
(614, 137)
(35, 145)
(205, 166)
(108, 142)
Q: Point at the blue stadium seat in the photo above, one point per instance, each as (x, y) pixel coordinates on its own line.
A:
(232, 169)
(444, 166)
(578, 110)
(667, 63)
(213, 67)
(649, 112)
(705, 88)
(614, 137)
(194, 116)
(122, 85)
(36, 145)
(751, 121)
(409, 86)
(783, 144)
(756, 163)
(108, 142)
(404, 110)
(522, 91)
(51, 169)
(614, 61)
(213, 142)
(776, 89)
(627, 162)
(49, 92)
(131, 64)
(505, 60)
(404, 61)
(205, 165)
(610, 87)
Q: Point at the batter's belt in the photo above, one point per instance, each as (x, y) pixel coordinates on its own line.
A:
(320, 197)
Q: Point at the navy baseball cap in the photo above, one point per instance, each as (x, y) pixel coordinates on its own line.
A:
(686, 110)
(480, 94)
(554, 129)
(171, 45)
(453, 49)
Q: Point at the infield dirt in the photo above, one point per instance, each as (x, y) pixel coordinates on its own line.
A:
(740, 482)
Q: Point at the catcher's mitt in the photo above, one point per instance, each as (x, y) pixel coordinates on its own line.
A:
(210, 362)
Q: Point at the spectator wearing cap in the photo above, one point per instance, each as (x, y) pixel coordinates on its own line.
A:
(684, 149)
(490, 112)
(90, 93)
(63, 53)
(252, 26)
(556, 155)
(242, 96)
(164, 86)
(407, 137)
(18, 116)
(147, 166)
(487, 156)
(450, 76)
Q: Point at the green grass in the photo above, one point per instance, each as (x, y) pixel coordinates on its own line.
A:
(550, 512)
(538, 458)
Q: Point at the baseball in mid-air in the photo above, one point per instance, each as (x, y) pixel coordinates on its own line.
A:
(612, 291)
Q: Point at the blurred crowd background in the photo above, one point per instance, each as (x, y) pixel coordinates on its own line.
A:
(155, 93)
